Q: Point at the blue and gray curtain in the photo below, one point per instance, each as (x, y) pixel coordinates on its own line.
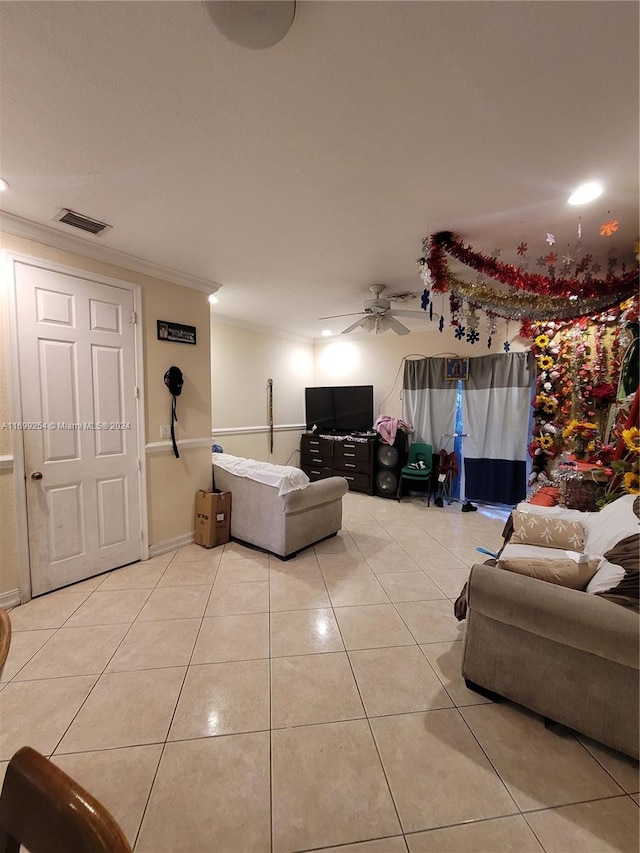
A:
(496, 410)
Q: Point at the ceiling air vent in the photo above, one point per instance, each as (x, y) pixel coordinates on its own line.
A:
(77, 220)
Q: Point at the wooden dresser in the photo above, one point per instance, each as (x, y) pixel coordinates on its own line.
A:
(350, 457)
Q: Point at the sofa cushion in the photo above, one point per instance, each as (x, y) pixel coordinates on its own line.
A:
(625, 555)
(574, 574)
(614, 522)
(547, 531)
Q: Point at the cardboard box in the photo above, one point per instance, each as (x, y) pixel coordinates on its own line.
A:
(213, 518)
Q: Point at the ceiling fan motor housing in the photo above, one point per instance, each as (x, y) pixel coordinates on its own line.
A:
(377, 306)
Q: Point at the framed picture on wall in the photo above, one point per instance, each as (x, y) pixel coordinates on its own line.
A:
(456, 368)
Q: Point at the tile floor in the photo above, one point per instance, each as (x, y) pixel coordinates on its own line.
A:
(227, 701)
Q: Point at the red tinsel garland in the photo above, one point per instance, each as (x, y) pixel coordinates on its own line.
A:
(445, 243)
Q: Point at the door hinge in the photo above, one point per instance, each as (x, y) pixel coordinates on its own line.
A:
(136, 392)
(134, 318)
(139, 465)
(141, 535)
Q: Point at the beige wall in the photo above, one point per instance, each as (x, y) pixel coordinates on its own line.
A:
(171, 483)
(378, 360)
(242, 361)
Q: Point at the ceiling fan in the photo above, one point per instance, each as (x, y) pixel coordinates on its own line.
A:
(378, 315)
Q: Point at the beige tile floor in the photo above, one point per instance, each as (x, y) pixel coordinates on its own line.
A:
(227, 702)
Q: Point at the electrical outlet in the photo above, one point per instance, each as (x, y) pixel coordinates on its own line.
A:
(165, 431)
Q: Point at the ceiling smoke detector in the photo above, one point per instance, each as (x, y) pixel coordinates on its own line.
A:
(83, 223)
(255, 24)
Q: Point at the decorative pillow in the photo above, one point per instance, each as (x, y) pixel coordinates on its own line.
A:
(607, 576)
(626, 554)
(612, 524)
(535, 529)
(542, 499)
(575, 575)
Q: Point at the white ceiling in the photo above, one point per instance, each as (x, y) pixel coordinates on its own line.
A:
(297, 176)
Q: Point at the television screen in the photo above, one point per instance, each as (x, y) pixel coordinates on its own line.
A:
(341, 408)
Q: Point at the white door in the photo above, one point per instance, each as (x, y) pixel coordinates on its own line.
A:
(76, 345)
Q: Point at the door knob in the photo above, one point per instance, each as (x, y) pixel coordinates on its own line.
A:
(37, 475)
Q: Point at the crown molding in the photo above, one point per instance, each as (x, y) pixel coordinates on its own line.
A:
(12, 224)
(224, 320)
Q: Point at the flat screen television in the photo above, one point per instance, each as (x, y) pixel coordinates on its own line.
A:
(340, 409)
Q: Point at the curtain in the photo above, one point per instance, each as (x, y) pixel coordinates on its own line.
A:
(429, 401)
(496, 408)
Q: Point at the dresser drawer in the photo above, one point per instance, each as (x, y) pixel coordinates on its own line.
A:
(315, 446)
(350, 452)
(358, 482)
(317, 472)
(314, 460)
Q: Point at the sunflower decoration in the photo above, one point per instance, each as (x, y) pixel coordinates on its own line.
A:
(581, 429)
(632, 482)
(545, 441)
(550, 406)
(542, 341)
(631, 438)
(545, 362)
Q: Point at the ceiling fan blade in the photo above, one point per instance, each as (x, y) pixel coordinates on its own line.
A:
(390, 323)
(355, 325)
(335, 316)
(424, 315)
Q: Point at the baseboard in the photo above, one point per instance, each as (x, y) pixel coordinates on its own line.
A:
(8, 599)
(170, 545)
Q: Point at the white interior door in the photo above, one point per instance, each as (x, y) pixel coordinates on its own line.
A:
(76, 346)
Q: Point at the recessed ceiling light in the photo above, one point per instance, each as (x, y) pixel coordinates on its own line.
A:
(585, 193)
(326, 333)
(213, 298)
(3, 185)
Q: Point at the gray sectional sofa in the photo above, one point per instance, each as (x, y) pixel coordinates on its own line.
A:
(571, 655)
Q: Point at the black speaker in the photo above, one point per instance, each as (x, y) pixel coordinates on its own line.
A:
(388, 462)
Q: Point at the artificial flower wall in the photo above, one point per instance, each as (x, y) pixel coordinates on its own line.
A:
(578, 390)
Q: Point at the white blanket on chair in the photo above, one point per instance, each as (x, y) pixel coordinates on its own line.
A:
(285, 478)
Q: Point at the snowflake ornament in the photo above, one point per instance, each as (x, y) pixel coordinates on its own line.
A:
(441, 324)
(506, 346)
(550, 239)
(489, 342)
(460, 332)
(472, 336)
(568, 260)
(541, 261)
(424, 301)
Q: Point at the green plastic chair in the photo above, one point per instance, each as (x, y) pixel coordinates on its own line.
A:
(418, 453)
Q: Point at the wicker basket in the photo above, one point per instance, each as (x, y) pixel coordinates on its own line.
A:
(582, 494)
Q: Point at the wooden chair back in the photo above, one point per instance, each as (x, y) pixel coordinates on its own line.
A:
(48, 812)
